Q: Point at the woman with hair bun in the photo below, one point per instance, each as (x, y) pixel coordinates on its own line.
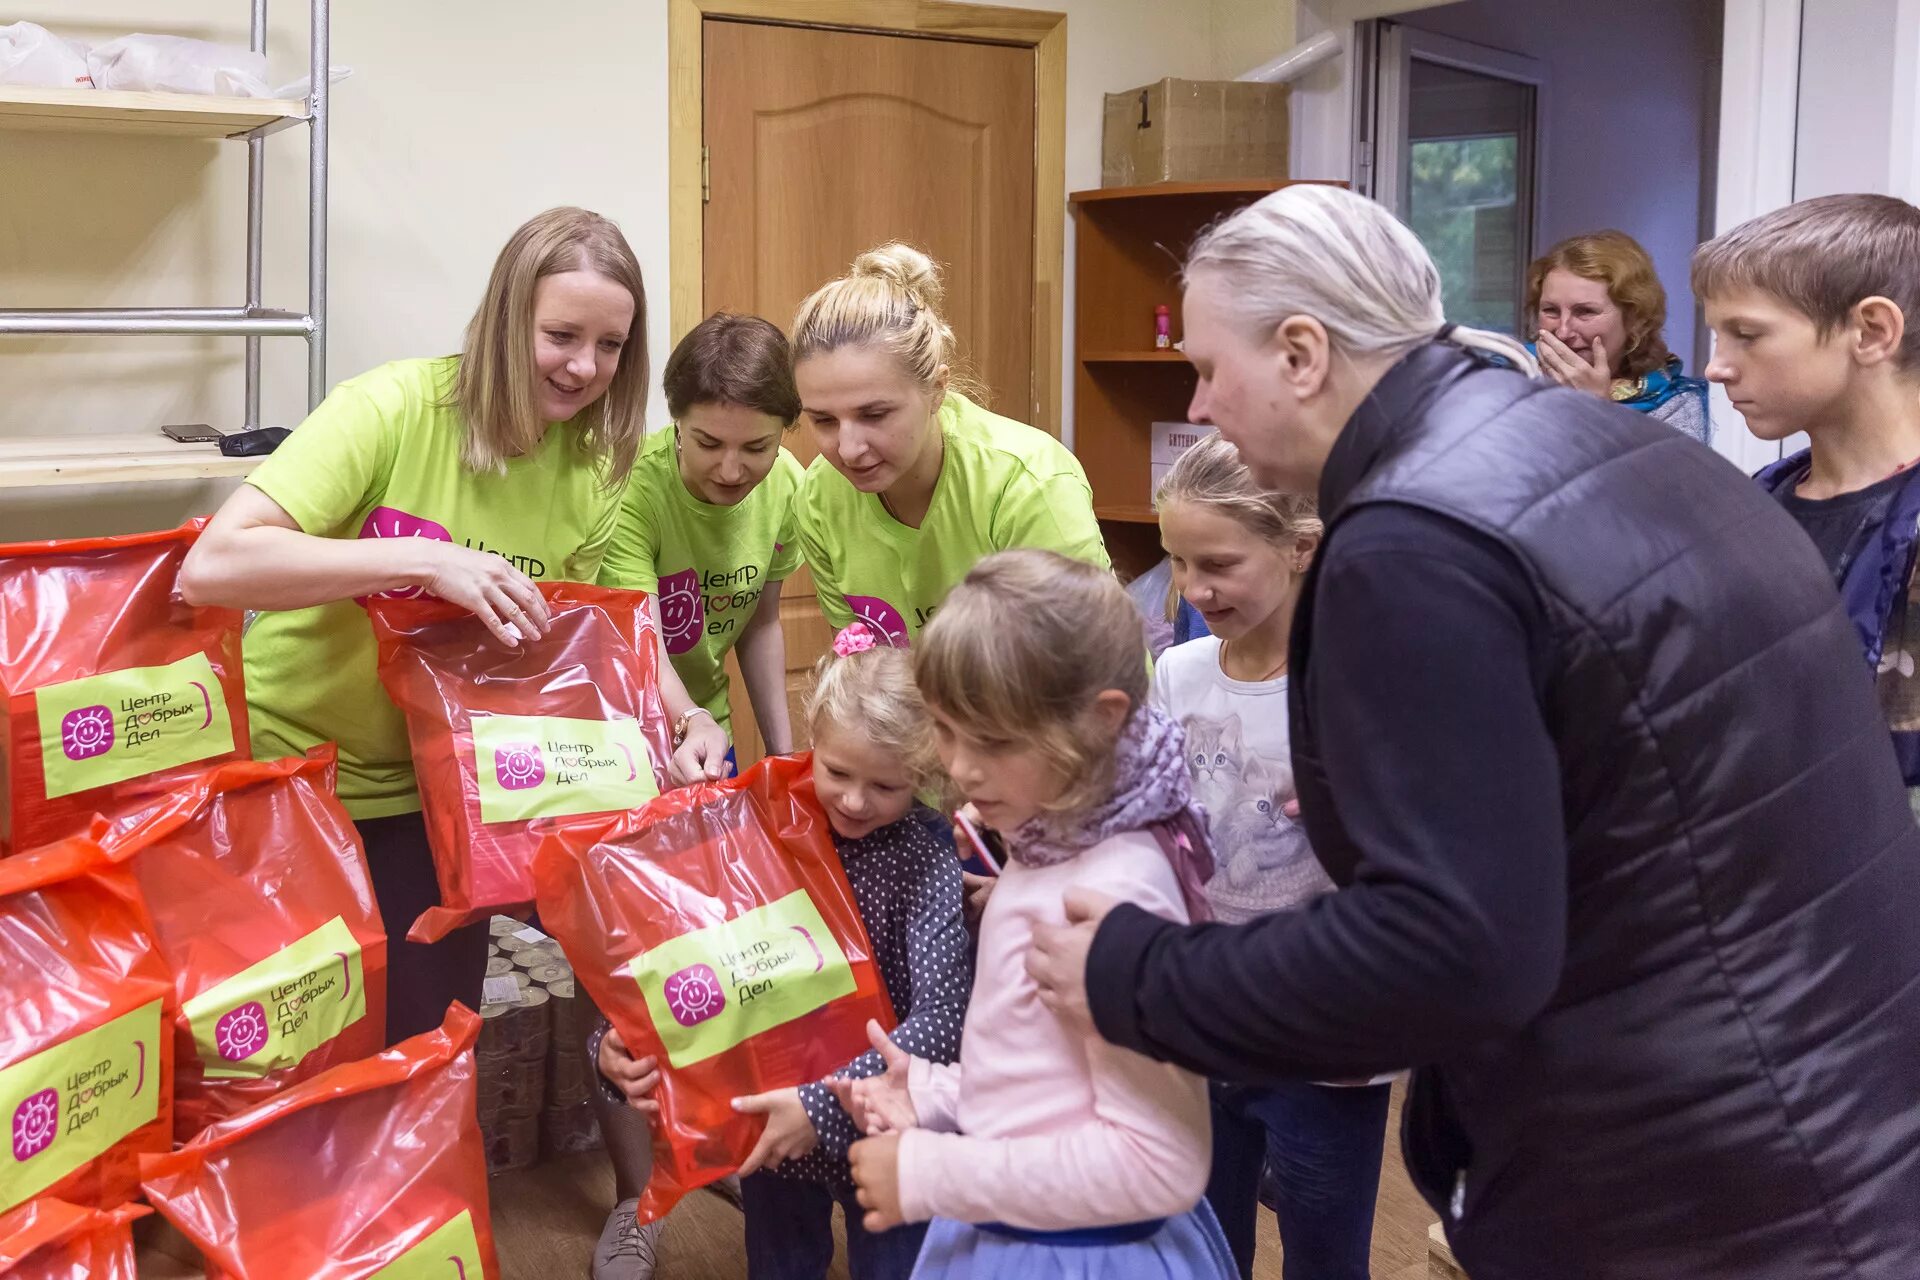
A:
(915, 481)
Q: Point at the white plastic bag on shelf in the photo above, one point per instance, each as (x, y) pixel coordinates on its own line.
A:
(32, 55)
(304, 85)
(175, 64)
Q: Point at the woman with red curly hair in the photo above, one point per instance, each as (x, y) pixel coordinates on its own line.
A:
(1598, 309)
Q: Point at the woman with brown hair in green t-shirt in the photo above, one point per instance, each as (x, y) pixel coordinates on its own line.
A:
(467, 478)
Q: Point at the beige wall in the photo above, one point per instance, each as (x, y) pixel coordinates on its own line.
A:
(462, 118)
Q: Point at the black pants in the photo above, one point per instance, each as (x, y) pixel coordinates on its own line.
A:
(422, 979)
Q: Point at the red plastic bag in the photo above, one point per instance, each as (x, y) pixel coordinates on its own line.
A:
(568, 724)
(50, 1239)
(107, 676)
(717, 931)
(86, 1002)
(373, 1168)
(257, 885)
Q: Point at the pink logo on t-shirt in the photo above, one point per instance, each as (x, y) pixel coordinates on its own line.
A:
(682, 611)
(882, 617)
(391, 522)
(694, 995)
(519, 766)
(86, 732)
(35, 1122)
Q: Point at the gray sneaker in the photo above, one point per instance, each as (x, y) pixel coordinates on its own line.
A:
(626, 1250)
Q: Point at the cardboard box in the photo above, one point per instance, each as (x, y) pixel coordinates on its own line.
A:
(1194, 130)
(1170, 440)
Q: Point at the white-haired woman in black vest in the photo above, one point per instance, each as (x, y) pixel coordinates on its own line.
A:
(1627, 874)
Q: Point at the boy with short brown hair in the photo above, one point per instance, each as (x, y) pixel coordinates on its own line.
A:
(1815, 312)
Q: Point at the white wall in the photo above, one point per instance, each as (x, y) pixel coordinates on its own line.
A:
(463, 117)
(1846, 97)
(1626, 120)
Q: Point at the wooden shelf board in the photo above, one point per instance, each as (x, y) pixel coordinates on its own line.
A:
(179, 115)
(1135, 357)
(1123, 513)
(28, 462)
(1158, 190)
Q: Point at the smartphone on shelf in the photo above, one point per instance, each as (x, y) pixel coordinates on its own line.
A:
(190, 433)
(986, 853)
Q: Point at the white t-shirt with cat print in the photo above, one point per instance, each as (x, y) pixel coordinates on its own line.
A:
(1239, 753)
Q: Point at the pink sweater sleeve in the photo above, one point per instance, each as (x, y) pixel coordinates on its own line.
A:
(1146, 1154)
(935, 1091)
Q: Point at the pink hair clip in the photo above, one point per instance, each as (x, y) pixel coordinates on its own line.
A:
(855, 637)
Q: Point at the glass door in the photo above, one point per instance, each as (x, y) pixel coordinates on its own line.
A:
(1451, 145)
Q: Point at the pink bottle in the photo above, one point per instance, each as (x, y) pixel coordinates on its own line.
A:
(1162, 329)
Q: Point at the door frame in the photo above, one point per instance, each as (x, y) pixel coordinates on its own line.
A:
(1042, 31)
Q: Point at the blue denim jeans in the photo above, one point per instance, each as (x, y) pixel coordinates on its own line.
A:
(790, 1233)
(1324, 1147)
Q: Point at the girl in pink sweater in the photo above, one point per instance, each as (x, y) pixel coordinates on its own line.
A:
(1047, 1151)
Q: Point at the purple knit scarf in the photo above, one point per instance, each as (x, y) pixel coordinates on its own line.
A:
(1151, 792)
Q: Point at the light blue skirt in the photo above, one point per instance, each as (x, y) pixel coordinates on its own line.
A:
(1189, 1247)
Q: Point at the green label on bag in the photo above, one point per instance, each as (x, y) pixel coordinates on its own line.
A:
(709, 990)
(108, 728)
(451, 1253)
(546, 766)
(69, 1103)
(278, 1011)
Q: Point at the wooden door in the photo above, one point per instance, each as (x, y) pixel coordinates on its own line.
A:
(822, 143)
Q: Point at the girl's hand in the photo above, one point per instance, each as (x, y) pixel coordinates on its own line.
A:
(635, 1077)
(485, 584)
(1564, 366)
(876, 1174)
(879, 1104)
(702, 756)
(789, 1133)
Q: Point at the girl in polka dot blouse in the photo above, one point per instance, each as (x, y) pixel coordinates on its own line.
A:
(873, 752)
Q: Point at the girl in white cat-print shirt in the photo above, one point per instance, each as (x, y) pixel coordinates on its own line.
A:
(1240, 556)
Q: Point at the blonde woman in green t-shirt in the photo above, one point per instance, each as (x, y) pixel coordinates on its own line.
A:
(467, 478)
(707, 522)
(915, 481)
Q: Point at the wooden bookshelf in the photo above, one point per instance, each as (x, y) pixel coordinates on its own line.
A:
(1129, 246)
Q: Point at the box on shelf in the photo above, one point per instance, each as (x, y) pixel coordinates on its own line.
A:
(1170, 440)
(1193, 131)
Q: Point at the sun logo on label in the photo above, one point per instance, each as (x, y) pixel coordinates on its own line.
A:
(519, 766)
(391, 522)
(681, 610)
(35, 1121)
(882, 617)
(694, 995)
(87, 732)
(241, 1032)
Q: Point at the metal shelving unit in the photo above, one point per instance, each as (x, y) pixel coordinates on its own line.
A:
(130, 459)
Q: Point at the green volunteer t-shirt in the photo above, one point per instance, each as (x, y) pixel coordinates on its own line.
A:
(380, 458)
(707, 564)
(1002, 484)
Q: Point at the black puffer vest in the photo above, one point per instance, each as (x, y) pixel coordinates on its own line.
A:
(1726, 1082)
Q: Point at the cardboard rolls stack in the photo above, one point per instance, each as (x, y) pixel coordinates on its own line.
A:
(536, 1084)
